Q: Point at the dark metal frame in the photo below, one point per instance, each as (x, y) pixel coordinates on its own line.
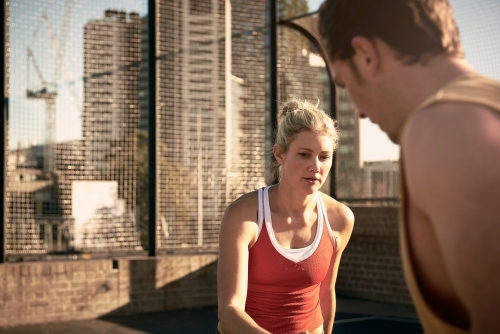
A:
(3, 132)
(333, 105)
(273, 78)
(152, 125)
(273, 70)
(152, 58)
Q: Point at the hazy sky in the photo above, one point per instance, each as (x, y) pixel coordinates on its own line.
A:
(478, 22)
(28, 29)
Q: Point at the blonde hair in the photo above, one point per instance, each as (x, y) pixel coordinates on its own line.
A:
(300, 115)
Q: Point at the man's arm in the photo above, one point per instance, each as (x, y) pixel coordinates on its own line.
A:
(452, 165)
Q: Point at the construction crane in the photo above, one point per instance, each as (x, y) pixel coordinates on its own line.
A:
(48, 91)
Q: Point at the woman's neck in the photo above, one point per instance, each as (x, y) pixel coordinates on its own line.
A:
(290, 202)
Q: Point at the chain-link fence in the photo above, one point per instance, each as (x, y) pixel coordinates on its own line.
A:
(210, 115)
(72, 145)
(79, 115)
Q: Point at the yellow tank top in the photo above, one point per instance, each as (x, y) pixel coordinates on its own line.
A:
(470, 89)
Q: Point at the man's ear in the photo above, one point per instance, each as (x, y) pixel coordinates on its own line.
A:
(366, 56)
(278, 153)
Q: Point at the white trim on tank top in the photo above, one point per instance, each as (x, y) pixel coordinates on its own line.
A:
(260, 218)
(295, 254)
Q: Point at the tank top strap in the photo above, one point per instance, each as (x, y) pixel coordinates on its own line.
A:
(260, 215)
(456, 90)
(322, 211)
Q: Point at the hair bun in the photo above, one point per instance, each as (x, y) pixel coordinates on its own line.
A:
(290, 107)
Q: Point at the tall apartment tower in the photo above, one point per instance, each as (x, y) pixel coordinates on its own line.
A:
(110, 121)
(249, 69)
(111, 68)
(211, 112)
(349, 176)
(143, 84)
(191, 119)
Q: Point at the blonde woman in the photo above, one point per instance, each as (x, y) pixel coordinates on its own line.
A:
(280, 246)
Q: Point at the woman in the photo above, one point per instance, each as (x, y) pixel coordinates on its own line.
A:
(280, 246)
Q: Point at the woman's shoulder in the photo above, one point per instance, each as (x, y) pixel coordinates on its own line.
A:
(240, 219)
(244, 208)
(339, 214)
(246, 202)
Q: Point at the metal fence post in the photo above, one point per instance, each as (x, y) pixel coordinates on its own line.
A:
(273, 73)
(333, 113)
(312, 37)
(3, 134)
(152, 124)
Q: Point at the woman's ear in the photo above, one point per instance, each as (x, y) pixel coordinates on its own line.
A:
(278, 153)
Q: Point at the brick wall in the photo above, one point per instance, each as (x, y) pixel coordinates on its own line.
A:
(57, 291)
(36, 292)
(371, 265)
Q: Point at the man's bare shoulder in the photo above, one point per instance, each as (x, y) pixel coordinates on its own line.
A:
(455, 145)
(453, 120)
(451, 154)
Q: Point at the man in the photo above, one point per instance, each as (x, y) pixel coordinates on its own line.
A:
(401, 62)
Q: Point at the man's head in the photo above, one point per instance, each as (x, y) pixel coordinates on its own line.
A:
(383, 51)
(417, 29)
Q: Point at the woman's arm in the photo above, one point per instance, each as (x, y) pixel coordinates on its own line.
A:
(342, 221)
(238, 231)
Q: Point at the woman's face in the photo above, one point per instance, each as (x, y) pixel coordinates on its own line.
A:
(307, 162)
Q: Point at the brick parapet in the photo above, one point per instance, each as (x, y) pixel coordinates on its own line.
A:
(36, 292)
(371, 264)
(40, 292)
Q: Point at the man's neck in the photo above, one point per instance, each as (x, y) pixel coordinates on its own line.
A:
(422, 81)
(416, 83)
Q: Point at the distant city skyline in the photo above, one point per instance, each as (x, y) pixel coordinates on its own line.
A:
(29, 30)
(476, 20)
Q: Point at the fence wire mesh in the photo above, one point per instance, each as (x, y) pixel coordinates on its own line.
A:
(211, 115)
(78, 101)
(77, 141)
(73, 127)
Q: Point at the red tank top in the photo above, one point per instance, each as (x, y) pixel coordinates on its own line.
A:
(283, 295)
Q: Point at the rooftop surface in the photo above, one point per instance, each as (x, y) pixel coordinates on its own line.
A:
(353, 317)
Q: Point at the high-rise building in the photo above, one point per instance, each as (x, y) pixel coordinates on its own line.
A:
(301, 72)
(381, 179)
(111, 69)
(250, 108)
(349, 177)
(110, 121)
(143, 84)
(210, 113)
(190, 118)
